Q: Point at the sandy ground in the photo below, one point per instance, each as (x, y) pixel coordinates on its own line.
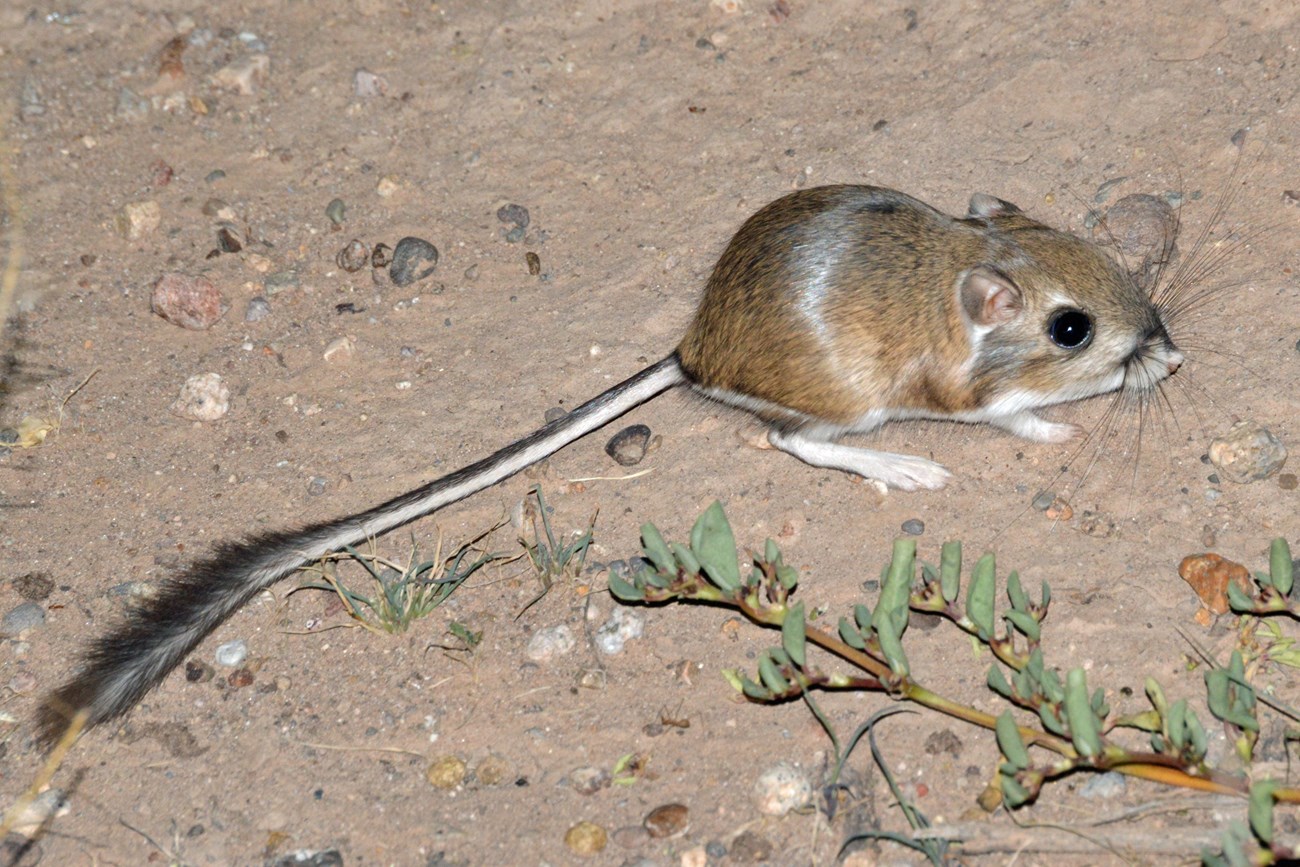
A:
(638, 135)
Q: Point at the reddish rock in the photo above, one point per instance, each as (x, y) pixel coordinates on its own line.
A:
(1209, 574)
(190, 302)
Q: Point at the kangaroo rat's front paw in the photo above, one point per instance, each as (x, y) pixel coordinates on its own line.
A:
(1029, 426)
(1057, 432)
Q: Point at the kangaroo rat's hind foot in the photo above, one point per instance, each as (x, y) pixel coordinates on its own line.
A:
(1027, 425)
(897, 471)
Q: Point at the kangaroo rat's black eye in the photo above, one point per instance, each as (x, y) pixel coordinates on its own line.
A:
(1070, 328)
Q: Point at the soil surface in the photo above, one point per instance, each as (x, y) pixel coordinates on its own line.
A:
(637, 136)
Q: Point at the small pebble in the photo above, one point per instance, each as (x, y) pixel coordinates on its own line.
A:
(515, 235)
(669, 820)
(1108, 785)
(446, 772)
(382, 255)
(258, 309)
(190, 302)
(588, 780)
(718, 849)
(1247, 453)
(555, 413)
(336, 210)
(631, 836)
(162, 173)
(409, 259)
(228, 241)
(750, 847)
(316, 486)
(232, 653)
(218, 208)
(386, 186)
(546, 644)
(203, 397)
(353, 257)
(1288, 481)
(308, 858)
(197, 671)
(340, 349)
(215, 175)
(1291, 197)
(1043, 500)
(586, 838)
(914, 526)
(368, 85)
(623, 625)
(628, 446)
(1060, 510)
(782, 788)
(534, 263)
(494, 770)
(240, 678)
(593, 678)
(137, 219)
(514, 214)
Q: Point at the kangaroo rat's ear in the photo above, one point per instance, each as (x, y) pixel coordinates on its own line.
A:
(989, 297)
(984, 205)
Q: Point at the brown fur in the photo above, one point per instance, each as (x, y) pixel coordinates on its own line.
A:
(836, 301)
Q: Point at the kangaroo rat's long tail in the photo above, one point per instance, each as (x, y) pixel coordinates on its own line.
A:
(122, 666)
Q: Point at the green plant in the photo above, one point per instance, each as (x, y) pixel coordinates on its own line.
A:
(403, 593)
(552, 558)
(1275, 588)
(1062, 727)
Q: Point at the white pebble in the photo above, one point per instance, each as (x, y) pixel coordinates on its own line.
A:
(232, 653)
(340, 349)
(1247, 453)
(782, 788)
(368, 85)
(204, 397)
(546, 644)
(622, 626)
(137, 219)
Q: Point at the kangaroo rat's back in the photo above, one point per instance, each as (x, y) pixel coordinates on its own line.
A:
(825, 300)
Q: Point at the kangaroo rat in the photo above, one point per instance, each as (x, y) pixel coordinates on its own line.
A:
(832, 311)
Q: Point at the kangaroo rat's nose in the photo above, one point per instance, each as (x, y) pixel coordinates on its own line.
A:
(1174, 361)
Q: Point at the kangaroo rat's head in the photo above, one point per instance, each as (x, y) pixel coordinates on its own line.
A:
(1051, 318)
